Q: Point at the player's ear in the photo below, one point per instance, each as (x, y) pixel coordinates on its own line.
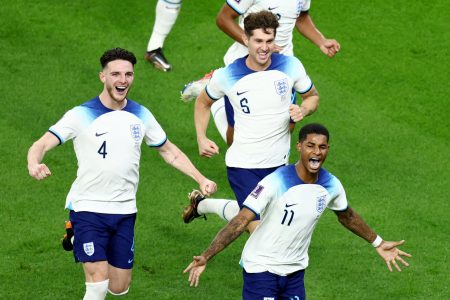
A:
(245, 39)
(299, 146)
(101, 75)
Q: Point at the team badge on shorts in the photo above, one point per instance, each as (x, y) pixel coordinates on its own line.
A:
(321, 203)
(89, 248)
(136, 131)
(281, 87)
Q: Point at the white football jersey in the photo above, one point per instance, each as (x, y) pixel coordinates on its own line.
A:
(290, 210)
(287, 12)
(107, 144)
(260, 102)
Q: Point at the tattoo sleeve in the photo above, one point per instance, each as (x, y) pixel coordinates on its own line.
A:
(353, 222)
(226, 236)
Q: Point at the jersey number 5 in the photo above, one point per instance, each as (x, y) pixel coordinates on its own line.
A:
(244, 106)
(102, 150)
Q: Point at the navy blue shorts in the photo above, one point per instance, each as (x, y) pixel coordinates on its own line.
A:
(100, 237)
(269, 286)
(243, 181)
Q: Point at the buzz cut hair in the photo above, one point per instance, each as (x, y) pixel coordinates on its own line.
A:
(260, 20)
(313, 128)
(116, 54)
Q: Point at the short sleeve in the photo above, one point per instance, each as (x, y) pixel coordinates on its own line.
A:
(155, 136)
(240, 6)
(69, 125)
(261, 195)
(214, 89)
(306, 5)
(338, 197)
(302, 82)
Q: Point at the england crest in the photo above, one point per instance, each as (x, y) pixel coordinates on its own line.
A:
(281, 86)
(89, 248)
(136, 131)
(321, 203)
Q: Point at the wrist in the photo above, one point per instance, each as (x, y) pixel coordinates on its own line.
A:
(377, 242)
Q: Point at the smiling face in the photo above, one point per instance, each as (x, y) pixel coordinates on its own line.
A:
(313, 152)
(260, 47)
(117, 77)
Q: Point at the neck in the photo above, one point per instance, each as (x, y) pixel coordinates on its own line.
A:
(304, 174)
(110, 103)
(252, 65)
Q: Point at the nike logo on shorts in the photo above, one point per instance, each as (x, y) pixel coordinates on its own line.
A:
(100, 134)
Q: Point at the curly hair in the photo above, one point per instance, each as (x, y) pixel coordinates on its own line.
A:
(115, 54)
(260, 20)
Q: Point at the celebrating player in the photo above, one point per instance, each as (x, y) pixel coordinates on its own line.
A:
(291, 200)
(107, 132)
(290, 13)
(259, 88)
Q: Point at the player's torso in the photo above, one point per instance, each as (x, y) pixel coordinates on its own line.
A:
(280, 243)
(260, 103)
(110, 143)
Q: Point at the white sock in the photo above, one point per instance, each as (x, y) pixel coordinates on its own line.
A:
(119, 294)
(166, 15)
(96, 290)
(224, 208)
(220, 117)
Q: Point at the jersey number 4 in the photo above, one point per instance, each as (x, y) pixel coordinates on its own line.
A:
(102, 150)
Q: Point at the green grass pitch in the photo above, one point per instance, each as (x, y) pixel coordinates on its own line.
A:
(384, 99)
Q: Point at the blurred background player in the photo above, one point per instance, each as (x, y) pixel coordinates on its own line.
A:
(165, 17)
(291, 200)
(290, 13)
(260, 90)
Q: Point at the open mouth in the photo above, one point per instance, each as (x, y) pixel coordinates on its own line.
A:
(121, 89)
(314, 163)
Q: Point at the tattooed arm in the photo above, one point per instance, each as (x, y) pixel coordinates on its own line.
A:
(225, 237)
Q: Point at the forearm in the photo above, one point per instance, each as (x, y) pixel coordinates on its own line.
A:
(353, 222)
(308, 29)
(36, 154)
(201, 116)
(176, 158)
(310, 103)
(226, 21)
(226, 236)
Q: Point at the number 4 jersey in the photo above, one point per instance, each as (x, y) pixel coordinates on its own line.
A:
(290, 210)
(107, 144)
(260, 102)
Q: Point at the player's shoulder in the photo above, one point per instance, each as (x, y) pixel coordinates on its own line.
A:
(280, 60)
(328, 180)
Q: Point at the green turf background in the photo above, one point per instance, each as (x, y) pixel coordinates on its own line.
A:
(384, 99)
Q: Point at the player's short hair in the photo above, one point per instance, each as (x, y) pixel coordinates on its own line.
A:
(260, 20)
(115, 54)
(313, 128)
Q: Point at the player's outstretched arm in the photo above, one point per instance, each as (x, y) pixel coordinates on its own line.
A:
(387, 250)
(202, 113)
(392, 255)
(308, 29)
(175, 157)
(225, 237)
(36, 154)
